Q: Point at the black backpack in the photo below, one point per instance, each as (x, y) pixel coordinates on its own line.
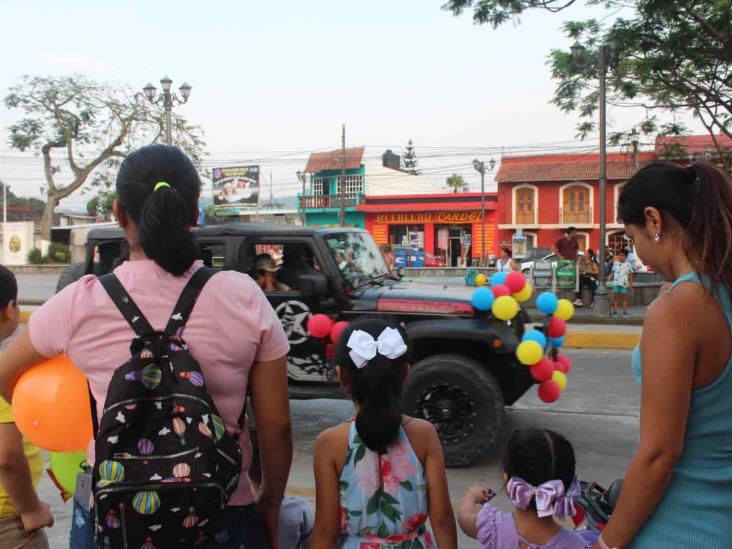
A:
(165, 465)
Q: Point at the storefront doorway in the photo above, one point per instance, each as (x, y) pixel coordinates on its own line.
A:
(454, 243)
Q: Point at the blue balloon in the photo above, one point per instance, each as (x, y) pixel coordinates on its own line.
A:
(483, 299)
(547, 303)
(556, 341)
(498, 278)
(535, 335)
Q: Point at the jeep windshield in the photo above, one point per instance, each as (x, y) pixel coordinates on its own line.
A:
(357, 256)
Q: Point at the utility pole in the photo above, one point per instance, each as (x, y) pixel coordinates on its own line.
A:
(271, 191)
(602, 298)
(342, 213)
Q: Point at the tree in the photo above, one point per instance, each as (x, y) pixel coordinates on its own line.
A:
(78, 126)
(669, 55)
(411, 164)
(457, 184)
(33, 206)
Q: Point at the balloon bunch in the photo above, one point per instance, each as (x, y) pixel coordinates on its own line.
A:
(321, 326)
(503, 296)
(539, 349)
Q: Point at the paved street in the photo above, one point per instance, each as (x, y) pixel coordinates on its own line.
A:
(598, 413)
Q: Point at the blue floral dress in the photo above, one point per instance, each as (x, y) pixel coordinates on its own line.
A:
(383, 498)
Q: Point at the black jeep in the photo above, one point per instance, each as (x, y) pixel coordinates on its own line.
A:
(464, 369)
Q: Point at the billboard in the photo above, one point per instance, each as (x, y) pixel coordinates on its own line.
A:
(235, 188)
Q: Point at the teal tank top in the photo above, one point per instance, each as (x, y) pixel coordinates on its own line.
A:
(696, 509)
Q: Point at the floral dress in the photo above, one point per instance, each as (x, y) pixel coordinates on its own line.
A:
(383, 498)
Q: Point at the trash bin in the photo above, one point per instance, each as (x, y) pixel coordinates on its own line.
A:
(401, 258)
(416, 258)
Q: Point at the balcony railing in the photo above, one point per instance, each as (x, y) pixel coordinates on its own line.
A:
(325, 202)
(569, 217)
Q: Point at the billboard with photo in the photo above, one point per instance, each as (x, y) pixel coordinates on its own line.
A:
(236, 188)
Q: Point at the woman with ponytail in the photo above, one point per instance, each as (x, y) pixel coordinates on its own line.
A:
(678, 487)
(232, 333)
(381, 475)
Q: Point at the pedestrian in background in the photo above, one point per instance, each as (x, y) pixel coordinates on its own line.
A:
(622, 279)
(678, 487)
(567, 246)
(506, 262)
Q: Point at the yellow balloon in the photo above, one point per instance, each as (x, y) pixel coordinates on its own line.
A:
(560, 379)
(525, 294)
(481, 280)
(529, 352)
(565, 309)
(505, 308)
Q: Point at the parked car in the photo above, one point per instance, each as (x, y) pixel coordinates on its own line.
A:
(464, 366)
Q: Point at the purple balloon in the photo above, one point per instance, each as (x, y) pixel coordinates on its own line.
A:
(145, 447)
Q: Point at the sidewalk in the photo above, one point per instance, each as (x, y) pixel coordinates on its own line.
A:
(584, 315)
(602, 336)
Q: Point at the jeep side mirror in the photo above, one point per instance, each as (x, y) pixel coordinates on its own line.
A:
(313, 284)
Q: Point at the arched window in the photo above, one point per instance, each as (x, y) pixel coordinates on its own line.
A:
(576, 204)
(525, 206)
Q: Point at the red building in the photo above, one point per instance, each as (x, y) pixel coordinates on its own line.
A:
(448, 226)
(543, 195)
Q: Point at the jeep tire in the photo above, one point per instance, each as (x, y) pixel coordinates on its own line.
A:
(462, 399)
(71, 274)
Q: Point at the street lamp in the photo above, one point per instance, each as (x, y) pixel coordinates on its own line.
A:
(480, 167)
(303, 178)
(602, 298)
(167, 99)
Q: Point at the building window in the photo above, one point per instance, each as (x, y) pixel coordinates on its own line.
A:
(525, 206)
(576, 205)
(406, 235)
(354, 185)
(320, 186)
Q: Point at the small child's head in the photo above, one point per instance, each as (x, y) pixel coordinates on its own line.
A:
(623, 255)
(373, 361)
(10, 312)
(538, 456)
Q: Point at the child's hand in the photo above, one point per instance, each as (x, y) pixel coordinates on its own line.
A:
(480, 494)
(35, 519)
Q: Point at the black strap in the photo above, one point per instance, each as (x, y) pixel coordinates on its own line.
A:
(126, 306)
(187, 299)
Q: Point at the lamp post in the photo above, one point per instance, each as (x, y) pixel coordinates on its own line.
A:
(303, 178)
(480, 167)
(601, 306)
(167, 99)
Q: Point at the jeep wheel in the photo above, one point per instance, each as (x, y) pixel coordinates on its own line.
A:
(72, 273)
(461, 399)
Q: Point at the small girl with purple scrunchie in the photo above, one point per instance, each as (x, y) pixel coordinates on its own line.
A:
(539, 472)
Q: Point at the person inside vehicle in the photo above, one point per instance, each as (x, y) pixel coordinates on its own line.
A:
(296, 261)
(265, 273)
(567, 246)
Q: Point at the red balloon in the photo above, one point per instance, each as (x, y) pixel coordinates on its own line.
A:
(542, 370)
(564, 362)
(549, 391)
(319, 326)
(557, 327)
(337, 330)
(500, 290)
(515, 281)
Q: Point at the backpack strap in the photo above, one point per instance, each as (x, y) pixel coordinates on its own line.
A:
(187, 299)
(126, 306)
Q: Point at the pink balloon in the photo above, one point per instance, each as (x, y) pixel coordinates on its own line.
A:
(557, 327)
(500, 290)
(565, 363)
(319, 326)
(515, 282)
(549, 391)
(337, 330)
(542, 370)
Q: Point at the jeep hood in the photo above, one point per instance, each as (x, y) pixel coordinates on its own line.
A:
(420, 297)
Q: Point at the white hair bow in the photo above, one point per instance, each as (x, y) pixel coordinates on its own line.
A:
(363, 347)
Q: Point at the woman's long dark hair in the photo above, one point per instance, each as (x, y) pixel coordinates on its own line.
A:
(376, 388)
(538, 456)
(699, 198)
(163, 217)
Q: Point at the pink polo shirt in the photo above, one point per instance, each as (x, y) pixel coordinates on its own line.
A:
(231, 327)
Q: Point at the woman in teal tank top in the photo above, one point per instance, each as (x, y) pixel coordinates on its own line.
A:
(678, 487)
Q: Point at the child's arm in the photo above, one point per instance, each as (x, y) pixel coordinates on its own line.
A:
(440, 507)
(468, 512)
(327, 495)
(16, 480)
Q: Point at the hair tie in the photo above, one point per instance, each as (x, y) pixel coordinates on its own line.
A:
(161, 185)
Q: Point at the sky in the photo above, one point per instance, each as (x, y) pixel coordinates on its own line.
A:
(273, 81)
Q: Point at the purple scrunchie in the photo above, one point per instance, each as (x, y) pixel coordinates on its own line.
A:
(550, 496)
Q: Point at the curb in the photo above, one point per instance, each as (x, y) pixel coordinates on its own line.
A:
(601, 340)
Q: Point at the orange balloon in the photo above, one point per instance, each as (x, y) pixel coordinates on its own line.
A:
(51, 406)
